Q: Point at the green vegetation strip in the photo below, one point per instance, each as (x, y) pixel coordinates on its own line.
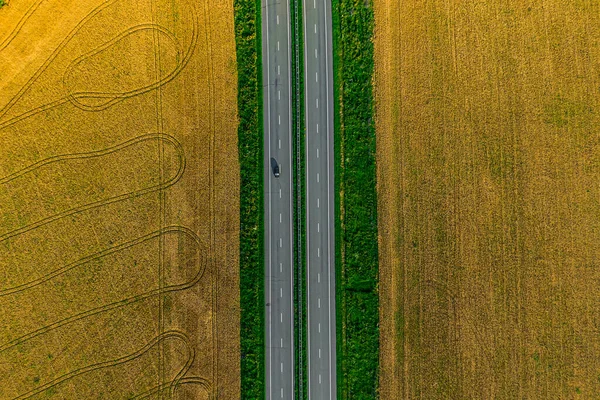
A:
(357, 256)
(247, 32)
(2, 3)
(298, 135)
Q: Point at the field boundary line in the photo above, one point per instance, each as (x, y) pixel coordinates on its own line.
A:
(161, 194)
(213, 222)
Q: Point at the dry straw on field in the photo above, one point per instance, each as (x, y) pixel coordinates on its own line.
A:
(488, 117)
(118, 200)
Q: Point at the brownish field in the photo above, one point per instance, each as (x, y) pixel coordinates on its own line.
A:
(119, 203)
(488, 117)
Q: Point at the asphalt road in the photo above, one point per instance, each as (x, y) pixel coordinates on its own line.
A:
(279, 283)
(320, 251)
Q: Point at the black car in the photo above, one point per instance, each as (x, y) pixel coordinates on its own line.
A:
(275, 167)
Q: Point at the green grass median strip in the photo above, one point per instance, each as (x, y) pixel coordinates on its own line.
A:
(250, 136)
(357, 258)
(298, 136)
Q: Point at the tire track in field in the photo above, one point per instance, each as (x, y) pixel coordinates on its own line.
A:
(113, 98)
(175, 335)
(202, 261)
(192, 380)
(11, 36)
(108, 99)
(79, 156)
(88, 259)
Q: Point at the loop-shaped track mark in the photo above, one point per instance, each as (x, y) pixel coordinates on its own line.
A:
(202, 261)
(114, 97)
(93, 257)
(176, 335)
(74, 97)
(173, 386)
(160, 186)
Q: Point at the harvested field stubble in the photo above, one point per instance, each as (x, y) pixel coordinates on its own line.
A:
(489, 202)
(119, 205)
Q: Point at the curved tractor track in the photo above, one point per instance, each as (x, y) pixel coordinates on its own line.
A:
(118, 217)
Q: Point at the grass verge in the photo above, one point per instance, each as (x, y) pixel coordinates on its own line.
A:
(248, 42)
(357, 253)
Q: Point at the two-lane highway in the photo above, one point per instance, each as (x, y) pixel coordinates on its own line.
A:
(279, 271)
(320, 216)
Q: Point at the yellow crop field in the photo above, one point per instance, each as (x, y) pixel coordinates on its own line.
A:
(488, 137)
(119, 200)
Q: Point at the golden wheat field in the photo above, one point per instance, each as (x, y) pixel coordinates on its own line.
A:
(119, 204)
(488, 124)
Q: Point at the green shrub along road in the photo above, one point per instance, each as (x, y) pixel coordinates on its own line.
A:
(247, 31)
(357, 258)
